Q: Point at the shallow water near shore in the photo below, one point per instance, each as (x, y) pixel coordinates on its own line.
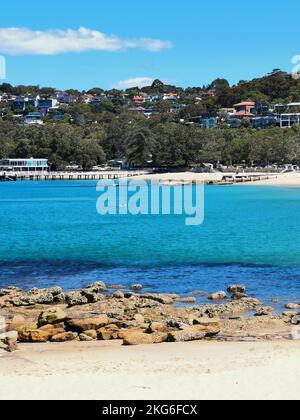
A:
(51, 234)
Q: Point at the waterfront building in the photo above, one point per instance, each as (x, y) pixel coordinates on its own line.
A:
(24, 165)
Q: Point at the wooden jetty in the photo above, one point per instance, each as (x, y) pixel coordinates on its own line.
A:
(68, 176)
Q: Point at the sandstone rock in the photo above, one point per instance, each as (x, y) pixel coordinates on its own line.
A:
(11, 344)
(52, 331)
(12, 335)
(199, 293)
(64, 337)
(139, 319)
(289, 315)
(140, 338)
(187, 300)
(52, 316)
(60, 298)
(116, 287)
(91, 333)
(296, 320)
(108, 333)
(118, 295)
(236, 288)
(264, 311)
(136, 287)
(98, 286)
(239, 296)
(84, 337)
(76, 299)
(164, 299)
(26, 327)
(196, 332)
(10, 291)
(34, 336)
(218, 296)
(3, 346)
(84, 324)
(157, 327)
(18, 319)
(211, 323)
(292, 306)
(91, 296)
(188, 334)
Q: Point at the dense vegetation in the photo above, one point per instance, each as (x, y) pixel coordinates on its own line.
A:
(92, 135)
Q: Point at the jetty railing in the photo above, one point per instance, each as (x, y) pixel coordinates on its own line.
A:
(69, 176)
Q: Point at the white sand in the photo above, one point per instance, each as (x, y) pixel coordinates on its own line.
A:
(290, 179)
(200, 370)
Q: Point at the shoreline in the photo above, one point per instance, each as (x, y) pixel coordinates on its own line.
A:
(105, 343)
(280, 180)
(108, 371)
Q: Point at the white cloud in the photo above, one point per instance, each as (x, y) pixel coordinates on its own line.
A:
(136, 82)
(17, 41)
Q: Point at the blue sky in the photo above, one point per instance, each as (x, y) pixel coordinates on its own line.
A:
(186, 43)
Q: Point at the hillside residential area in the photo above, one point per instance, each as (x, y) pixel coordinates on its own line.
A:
(253, 123)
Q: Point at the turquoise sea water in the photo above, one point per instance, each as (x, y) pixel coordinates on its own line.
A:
(50, 233)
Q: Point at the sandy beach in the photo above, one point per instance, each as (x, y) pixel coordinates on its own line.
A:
(280, 180)
(108, 370)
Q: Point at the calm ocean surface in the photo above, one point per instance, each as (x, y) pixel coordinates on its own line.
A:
(51, 234)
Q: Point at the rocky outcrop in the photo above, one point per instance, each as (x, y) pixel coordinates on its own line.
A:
(52, 316)
(292, 306)
(94, 313)
(264, 311)
(64, 337)
(84, 324)
(218, 296)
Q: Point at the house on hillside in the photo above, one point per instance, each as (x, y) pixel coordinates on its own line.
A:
(245, 109)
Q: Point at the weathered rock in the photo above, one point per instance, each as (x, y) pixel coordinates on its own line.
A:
(26, 327)
(64, 337)
(91, 333)
(140, 338)
(11, 291)
(186, 300)
(59, 298)
(289, 315)
(296, 320)
(76, 299)
(196, 332)
(188, 334)
(18, 319)
(84, 324)
(116, 287)
(139, 319)
(136, 287)
(218, 296)
(264, 311)
(3, 346)
(12, 335)
(98, 286)
(52, 316)
(164, 299)
(234, 289)
(11, 344)
(199, 293)
(52, 331)
(239, 296)
(292, 306)
(157, 327)
(91, 296)
(211, 323)
(34, 336)
(84, 337)
(109, 332)
(118, 295)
